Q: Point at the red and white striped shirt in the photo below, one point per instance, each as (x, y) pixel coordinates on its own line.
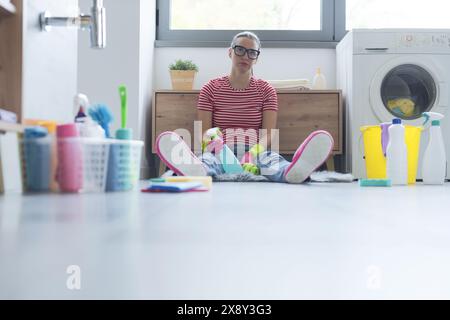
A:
(240, 110)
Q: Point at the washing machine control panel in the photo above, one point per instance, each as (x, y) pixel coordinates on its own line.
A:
(424, 41)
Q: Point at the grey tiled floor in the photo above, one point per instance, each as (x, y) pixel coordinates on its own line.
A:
(239, 241)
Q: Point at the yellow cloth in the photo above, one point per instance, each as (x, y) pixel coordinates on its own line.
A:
(404, 105)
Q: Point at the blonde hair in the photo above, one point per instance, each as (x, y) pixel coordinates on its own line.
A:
(246, 34)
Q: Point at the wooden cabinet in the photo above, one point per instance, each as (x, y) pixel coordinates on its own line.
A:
(173, 110)
(11, 30)
(11, 56)
(300, 113)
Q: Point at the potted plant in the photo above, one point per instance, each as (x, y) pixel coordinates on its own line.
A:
(182, 74)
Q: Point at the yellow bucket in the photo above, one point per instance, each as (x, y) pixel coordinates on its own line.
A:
(374, 156)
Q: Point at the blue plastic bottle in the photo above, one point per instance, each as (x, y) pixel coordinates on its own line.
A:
(38, 157)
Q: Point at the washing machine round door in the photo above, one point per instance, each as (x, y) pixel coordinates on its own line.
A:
(403, 91)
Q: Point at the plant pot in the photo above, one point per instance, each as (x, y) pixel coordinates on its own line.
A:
(182, 79)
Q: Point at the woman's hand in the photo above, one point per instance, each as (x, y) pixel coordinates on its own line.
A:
(212, 141)
(248, 161)
(213, 146)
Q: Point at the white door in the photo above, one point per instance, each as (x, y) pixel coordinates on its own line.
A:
(49, 62)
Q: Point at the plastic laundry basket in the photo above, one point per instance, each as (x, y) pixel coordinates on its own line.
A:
(124, 165)
(375, 158)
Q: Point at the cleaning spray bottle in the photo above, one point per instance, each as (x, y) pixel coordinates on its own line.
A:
(434, 160)
(230, 163)
(86, 126)
(81, 102)
(396, 154)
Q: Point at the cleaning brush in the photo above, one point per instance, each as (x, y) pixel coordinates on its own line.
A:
(123, 133)
(103, 116)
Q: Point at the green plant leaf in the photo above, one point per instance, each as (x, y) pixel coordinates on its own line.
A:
(183, 65)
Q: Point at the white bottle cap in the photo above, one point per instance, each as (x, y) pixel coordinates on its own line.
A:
(81, 100)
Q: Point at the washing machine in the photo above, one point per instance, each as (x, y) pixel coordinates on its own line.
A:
(392, 73)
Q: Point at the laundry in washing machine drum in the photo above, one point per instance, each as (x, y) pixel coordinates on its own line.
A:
(404, 107)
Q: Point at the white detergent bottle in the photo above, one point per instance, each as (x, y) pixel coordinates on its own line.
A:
(434, 165)
(396, 154)
(230, 163)
(319, 81)
(90, 129)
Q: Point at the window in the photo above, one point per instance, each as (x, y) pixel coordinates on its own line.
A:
(309, 23)
(220, 20)
(235, 15)
(397, 14)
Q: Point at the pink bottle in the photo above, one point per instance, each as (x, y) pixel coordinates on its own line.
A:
(70, 161)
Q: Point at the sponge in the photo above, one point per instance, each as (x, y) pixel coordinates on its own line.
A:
(375, 183)
(205, 181)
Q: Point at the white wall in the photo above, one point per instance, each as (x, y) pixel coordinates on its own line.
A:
(146, 67)
(102, 71)
(127, 59)
(273, 64)
(49, 63)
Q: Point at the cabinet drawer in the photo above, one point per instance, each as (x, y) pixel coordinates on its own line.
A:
(300, 113)
(174, 111)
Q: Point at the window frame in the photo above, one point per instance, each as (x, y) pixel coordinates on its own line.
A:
(332, 21)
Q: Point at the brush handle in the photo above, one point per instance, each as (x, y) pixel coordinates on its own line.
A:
(123, 103)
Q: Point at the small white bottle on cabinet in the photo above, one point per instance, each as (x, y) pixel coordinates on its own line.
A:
(319, 81)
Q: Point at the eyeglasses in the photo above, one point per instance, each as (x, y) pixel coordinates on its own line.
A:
(251, 53)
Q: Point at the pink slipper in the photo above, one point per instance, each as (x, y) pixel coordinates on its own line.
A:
(177, 155)
(312, 153)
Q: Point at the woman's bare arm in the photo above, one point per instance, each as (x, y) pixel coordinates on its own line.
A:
(269, 123)
(206, 118)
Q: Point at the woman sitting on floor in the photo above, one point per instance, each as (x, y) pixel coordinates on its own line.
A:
(240, 105)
